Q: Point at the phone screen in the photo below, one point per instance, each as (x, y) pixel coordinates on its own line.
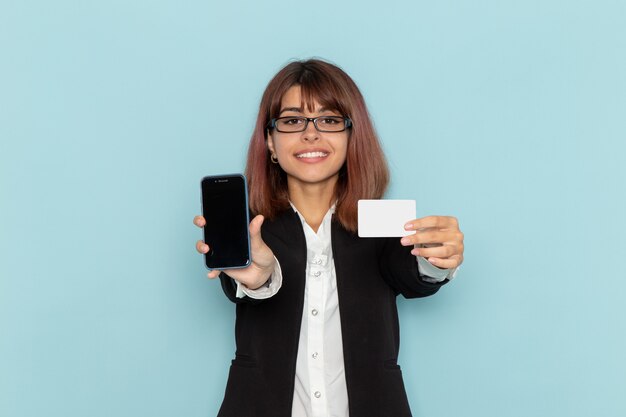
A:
(225, 209)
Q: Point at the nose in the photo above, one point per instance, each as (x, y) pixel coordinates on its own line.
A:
(310, 133)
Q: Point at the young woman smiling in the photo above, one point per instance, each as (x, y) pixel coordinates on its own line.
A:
(317, 328)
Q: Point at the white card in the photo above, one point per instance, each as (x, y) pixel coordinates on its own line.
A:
(385, 218)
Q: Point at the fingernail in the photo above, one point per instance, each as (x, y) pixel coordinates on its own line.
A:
(405, 241)
(415, 252)
(408, 226)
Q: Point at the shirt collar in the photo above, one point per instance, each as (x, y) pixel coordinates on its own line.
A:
(331, 209)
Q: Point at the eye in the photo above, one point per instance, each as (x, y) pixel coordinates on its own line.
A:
(292, 121)
(330, 120)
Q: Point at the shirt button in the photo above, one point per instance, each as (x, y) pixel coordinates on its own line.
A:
(317, 394)
(314, 312)
(318, 262)
(317, 273)
(314, 355)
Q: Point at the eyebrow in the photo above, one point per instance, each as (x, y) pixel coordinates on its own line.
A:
(299, 110)
(295, 109)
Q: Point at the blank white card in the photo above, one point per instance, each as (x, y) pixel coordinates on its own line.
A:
(385, 218)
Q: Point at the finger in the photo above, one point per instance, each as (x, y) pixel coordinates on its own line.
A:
(439, 222)
(430, 236)
(434, 236)
(199, 221)
(445, 251)
(448, 263)
(202, 247)
(214, 273)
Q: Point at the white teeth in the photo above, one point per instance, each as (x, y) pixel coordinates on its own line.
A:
(311, 155)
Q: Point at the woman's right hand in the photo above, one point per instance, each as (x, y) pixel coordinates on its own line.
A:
(263, 262)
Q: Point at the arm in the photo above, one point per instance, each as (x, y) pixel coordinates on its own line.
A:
(437, 249)
(239, 293)
(400, 270)
(266, 290)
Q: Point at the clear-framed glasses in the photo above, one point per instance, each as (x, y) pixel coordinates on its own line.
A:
(292, 124)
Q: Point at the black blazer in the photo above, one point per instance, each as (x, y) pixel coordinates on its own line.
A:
(370, 274)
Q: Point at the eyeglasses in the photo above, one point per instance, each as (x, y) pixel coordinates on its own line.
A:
(292, 124)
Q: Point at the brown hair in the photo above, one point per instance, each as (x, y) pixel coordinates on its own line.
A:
(364, 174)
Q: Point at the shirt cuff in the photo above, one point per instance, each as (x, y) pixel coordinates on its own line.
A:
(433, 274)
(265, 291)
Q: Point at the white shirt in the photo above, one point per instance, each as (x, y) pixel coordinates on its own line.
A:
(320, 383)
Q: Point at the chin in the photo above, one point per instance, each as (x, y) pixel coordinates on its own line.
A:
(313, 178)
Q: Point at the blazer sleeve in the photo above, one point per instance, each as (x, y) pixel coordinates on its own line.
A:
(400, 270)
(230, 289)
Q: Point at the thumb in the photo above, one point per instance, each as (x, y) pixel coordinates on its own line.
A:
(255, 227)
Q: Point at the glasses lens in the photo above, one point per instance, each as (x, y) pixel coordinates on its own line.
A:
(298, 124)
(331, 124)
(290, 124)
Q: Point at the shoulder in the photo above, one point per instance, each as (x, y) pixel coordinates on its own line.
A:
(285, 220)
(283, 233)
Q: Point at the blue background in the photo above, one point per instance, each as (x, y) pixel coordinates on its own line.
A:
(507, 114)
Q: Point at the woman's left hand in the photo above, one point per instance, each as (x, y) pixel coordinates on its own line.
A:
(438, 239)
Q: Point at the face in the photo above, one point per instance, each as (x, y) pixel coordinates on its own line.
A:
(308, 157)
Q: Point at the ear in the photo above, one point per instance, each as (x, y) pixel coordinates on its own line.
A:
(270, 142)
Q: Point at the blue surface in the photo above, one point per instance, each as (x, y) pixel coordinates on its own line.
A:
(508, 115)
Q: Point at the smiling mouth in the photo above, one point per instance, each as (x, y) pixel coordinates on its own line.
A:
(312, 155)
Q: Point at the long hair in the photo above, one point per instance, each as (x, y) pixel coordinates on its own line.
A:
(364, 175)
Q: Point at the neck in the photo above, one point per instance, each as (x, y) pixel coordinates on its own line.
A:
(312, 200)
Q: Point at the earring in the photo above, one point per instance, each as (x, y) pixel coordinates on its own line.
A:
(274, 158)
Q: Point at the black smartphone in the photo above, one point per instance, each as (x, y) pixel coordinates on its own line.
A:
(225, 209)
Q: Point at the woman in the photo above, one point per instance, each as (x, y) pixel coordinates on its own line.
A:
(317, 328)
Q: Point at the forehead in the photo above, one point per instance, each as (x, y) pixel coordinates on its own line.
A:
(295, 98)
